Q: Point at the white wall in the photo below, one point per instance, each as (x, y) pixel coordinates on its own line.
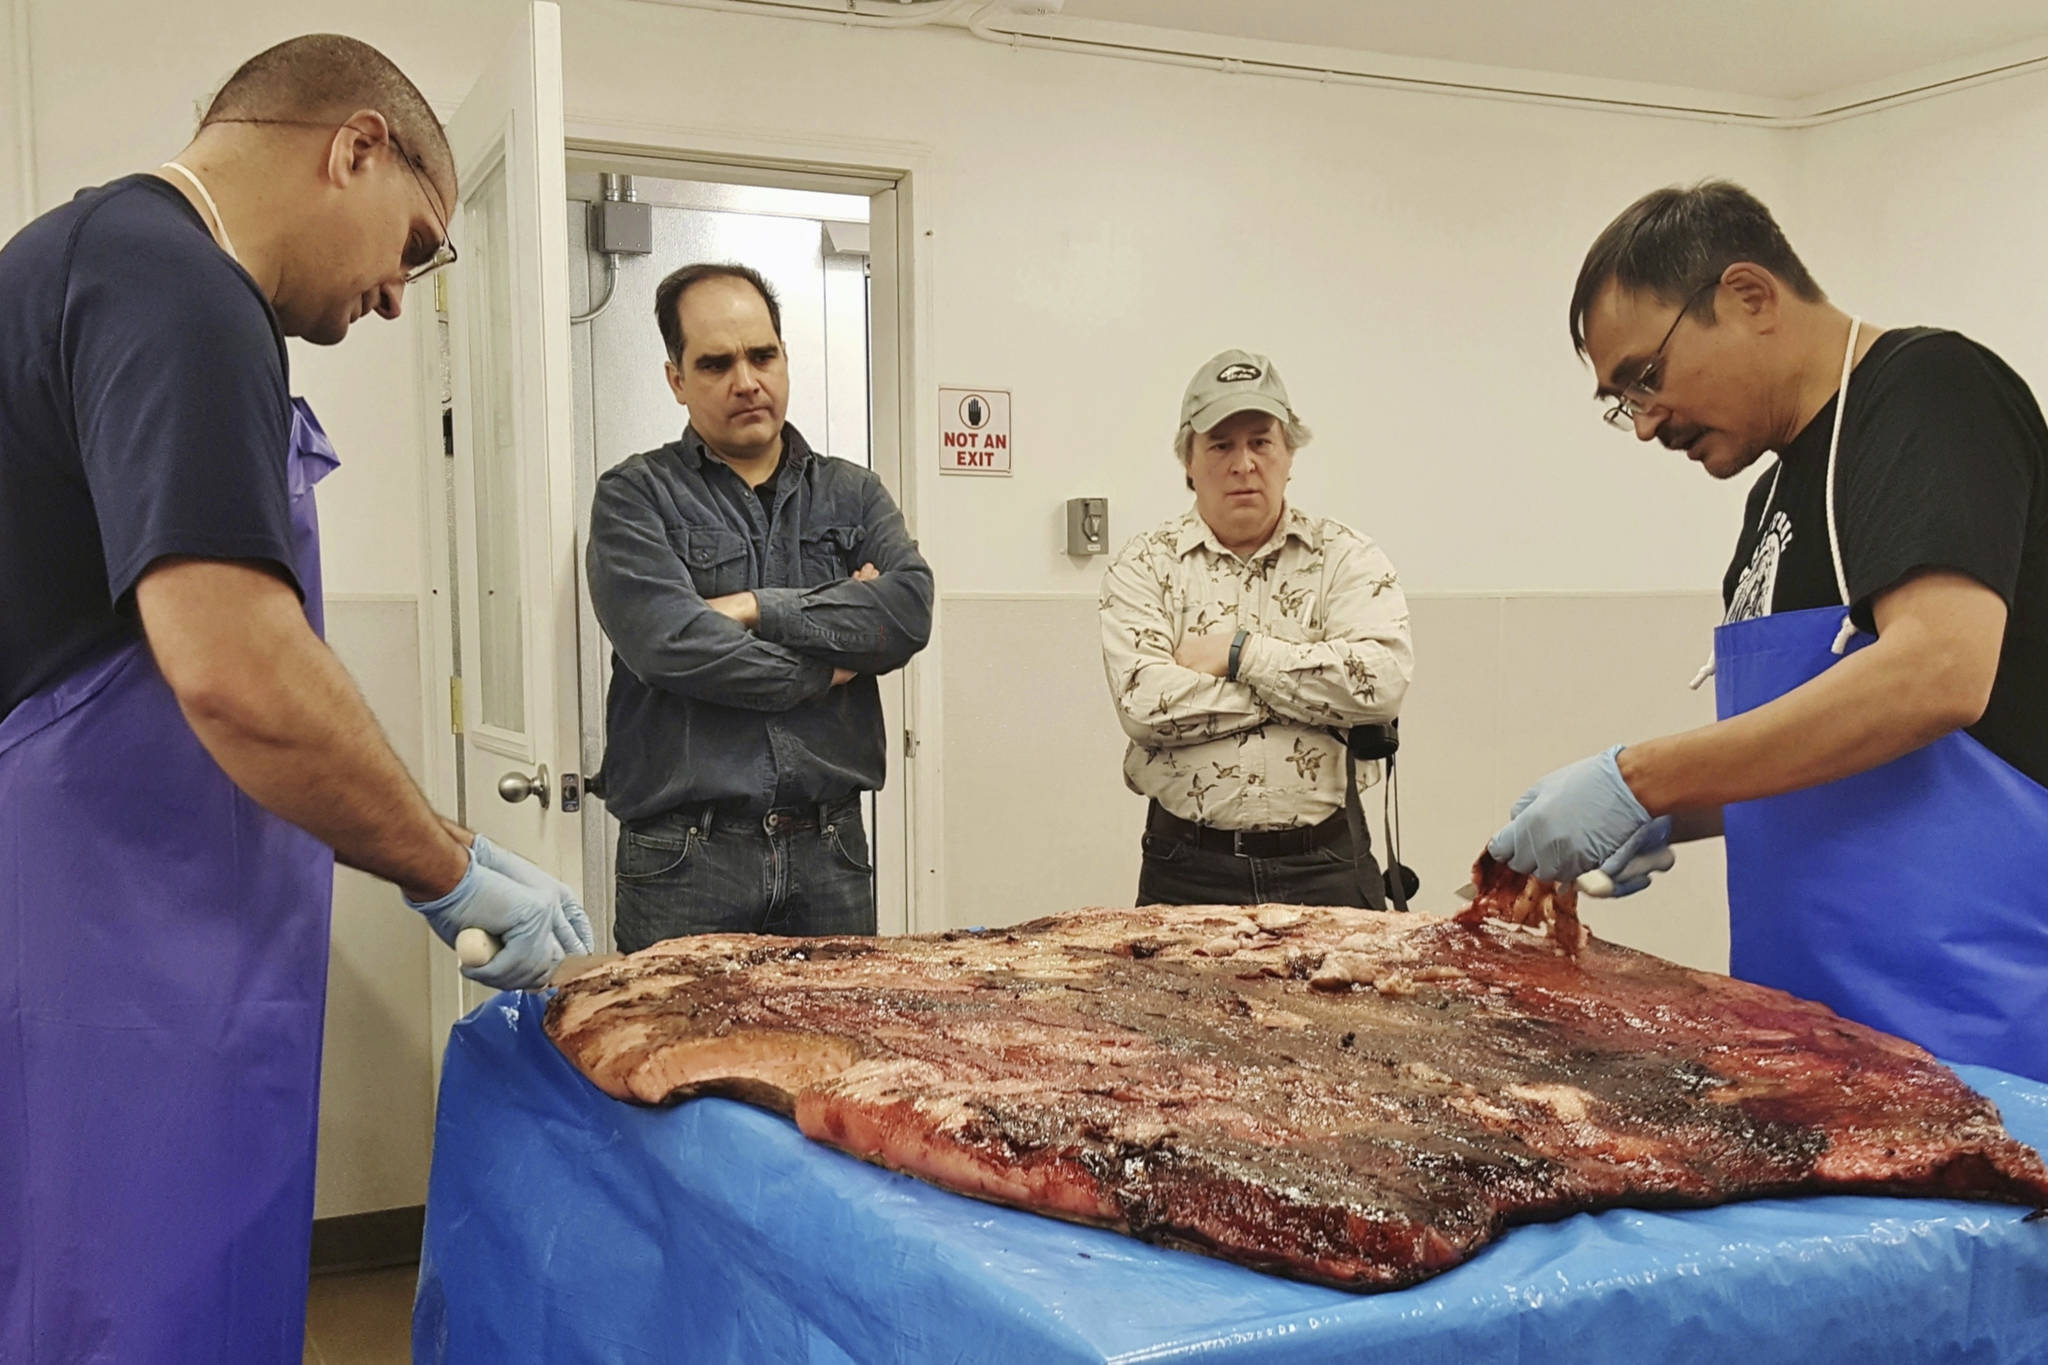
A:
(1100, 227)
(17, 99)
(376, 1081)
(1937, 213)
(1097, 228)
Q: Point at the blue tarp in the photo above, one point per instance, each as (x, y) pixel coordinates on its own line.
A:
(563, 1226)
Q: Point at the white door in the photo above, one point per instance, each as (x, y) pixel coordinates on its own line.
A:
(895, 883)
(514, 523)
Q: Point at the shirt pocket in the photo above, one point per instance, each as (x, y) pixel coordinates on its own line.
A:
(716, 559)
(828, 554)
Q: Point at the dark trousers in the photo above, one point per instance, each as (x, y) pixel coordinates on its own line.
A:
(1177, 871)
(804, 871)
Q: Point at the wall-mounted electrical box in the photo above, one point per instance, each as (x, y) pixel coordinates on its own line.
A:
(622, 227)
(1087, 526)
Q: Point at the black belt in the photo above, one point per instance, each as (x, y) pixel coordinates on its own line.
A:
(776, 821)
(1247, 843)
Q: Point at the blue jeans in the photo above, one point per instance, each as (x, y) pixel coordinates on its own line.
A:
(802, 872)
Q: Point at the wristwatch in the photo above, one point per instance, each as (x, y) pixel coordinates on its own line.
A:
(1236, 652)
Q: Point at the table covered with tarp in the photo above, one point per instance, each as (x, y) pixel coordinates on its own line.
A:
(565, 1226)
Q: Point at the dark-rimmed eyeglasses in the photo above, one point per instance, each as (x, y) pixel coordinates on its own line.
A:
(421, 259)
(1639, 393)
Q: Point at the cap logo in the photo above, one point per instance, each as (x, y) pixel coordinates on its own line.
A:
(1231, 374)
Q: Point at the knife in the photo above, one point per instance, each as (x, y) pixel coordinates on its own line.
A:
(1597, 883)
(474, 947)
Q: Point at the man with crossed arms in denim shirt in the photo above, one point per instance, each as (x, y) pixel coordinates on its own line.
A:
(752, 590)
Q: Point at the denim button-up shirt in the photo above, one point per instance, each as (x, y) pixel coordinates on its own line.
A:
(702, 710)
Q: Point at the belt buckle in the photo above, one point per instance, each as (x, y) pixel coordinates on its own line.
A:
(1237, 844)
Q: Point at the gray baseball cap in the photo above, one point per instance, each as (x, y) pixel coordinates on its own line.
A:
(1230, 383)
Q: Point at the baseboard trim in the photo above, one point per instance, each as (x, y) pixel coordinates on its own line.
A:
(368, 1241)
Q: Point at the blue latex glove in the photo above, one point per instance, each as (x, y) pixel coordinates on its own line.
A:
(521, 919)
(572, 926)
(1571, 821)
(1635, 862)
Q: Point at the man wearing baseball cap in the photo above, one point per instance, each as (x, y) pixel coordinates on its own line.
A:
(1242, 641)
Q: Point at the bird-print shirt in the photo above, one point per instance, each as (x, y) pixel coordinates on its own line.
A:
(1328, 649)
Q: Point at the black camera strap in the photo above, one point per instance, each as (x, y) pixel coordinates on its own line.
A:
(1381, 744)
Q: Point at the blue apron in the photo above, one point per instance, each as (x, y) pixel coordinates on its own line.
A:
(163, 974)
(1910, 897)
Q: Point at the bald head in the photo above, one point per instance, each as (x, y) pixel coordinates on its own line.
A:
(324, 77)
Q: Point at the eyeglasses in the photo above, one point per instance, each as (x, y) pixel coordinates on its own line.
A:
(1639, 393)
(420, 259)
(440, 254)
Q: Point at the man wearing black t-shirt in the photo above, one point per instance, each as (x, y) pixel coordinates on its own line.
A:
(181, 757)
(1881, 765)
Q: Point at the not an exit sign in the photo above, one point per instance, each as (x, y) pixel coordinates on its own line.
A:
(974, 431)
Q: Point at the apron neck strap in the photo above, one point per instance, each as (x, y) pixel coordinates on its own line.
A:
(1848, 630)
(1834, 452)
(220, 227)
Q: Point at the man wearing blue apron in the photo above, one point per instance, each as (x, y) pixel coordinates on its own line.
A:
(1880, 766)
(181, 758)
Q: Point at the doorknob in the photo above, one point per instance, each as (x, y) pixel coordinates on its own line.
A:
(517, 786)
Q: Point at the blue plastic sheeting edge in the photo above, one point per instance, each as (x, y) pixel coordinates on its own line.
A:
(564, 1226)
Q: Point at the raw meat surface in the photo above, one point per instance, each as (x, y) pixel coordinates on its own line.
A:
(1354, 1098)
(1512, 897)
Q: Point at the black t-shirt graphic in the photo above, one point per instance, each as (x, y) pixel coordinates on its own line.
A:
(1943, 465)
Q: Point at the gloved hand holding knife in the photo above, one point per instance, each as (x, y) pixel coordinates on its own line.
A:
(510, 923)
(1582, 822)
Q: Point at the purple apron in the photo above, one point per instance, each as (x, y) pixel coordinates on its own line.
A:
(1909, 897)
(163, 972)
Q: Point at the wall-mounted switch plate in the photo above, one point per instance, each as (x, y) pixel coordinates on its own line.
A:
(1087, 526)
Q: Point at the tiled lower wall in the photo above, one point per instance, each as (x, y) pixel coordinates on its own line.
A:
(1506, 688)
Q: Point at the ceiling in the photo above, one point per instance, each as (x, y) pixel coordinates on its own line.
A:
(1774, 49)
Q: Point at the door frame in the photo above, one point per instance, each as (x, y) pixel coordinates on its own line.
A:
(902, 423)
